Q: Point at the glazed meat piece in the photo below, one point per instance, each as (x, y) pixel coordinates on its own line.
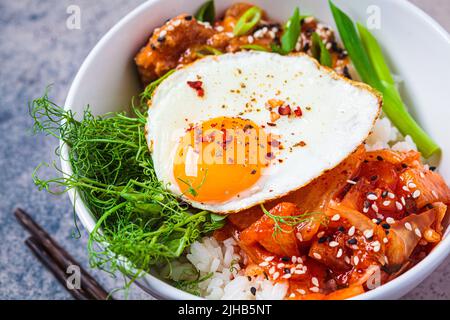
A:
(168, 43)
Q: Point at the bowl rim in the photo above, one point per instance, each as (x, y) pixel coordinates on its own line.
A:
(161, 289)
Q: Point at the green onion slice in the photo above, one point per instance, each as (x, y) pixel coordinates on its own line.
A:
(207, 12)
(320, 52)
(247, 21)
(254, 47)
(207, 51)
(291, 33)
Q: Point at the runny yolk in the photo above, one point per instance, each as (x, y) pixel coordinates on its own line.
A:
(221, 158)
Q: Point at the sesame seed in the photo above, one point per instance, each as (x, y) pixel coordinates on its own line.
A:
(385, 240)
(320, 234)
(365, 210)
(219, 28)
(339, 253)
(317, 256)
(170, 28)
(391, 195)
(375, 207)
(416, 194)
(403, 201)
(405, 188)
(347, 260)
(292, 295)
(390, 220)
(299, 272)
(412, 185)
(333, 244)
(280, 265)
(264, 264)
(434, 193)
(294, 259)
(351, 231)
(268, 259)
(253, 290)
(408, 226)
(336, 217)
(315, 281)
(250, 39)
(398, 205)
(417, 232)
(301, 291)
(272, 270)
(351, 182)
(372, 197)
(314, 289)
(376, 248)
(276, 275)
(375, 220)
(287, 276)
(355, 260)
(368, 233)
(163, 33)
(299, 260)
(176, 23)
(386, 203)
(422, 175)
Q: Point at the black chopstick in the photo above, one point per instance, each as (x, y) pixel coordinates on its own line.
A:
(58, 257)
(40, 253)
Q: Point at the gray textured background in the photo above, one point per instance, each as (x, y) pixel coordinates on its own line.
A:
(37, 49)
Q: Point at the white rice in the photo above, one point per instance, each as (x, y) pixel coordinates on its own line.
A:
(223, 260)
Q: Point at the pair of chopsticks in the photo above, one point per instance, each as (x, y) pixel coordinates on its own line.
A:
(57, 260)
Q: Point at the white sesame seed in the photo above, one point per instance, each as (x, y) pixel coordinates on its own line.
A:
(301, 291)
(372, 197)
(287, 276)
(422, 175)
(368, 233)
(276, 275)
(317, 256)
(417, 232)
(272, 270)
(416, 194)
(386, 203)
(351, 181)
(328, 46)
(299, 236)
(434, 193)
(320, 234)
(264, 264)
(403, 201)
(271, 34)
(398, 205)
(170, 27)
(386, 260)
(391, 195)
(299, 260)
(176, 23)
(268, 259)
(294, 259)
(292, 295)
(375, 207)
(405, 188)
(299, 272)
(408, 226)
(376, 248)
(333, 244)
(385, 240)
(355, 260)
(219, 28)
(347, 260)
(163, 33)
(250, 39)
(365, 210)
(280, 265)
(314, 289)
(375, 243)
(339, 253)
(412, 185)
(315, 281)
(374, 220)
(336, 217)
(351, 231)
(390, 220)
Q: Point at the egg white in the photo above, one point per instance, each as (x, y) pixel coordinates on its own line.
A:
(338, 115)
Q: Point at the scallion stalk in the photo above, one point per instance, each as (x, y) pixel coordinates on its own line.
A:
(247, 21)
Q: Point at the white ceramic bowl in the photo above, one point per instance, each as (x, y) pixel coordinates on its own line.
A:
(417, 48)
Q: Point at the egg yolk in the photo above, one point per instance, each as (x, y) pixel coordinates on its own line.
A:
(221, 158)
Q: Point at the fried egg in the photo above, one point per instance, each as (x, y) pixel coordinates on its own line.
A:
(232, 131)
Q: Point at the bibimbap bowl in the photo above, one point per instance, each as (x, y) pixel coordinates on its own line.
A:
(417, 48)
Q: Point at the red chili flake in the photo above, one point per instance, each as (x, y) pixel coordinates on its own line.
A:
(197, 86)
(270, 156)
(284, 110)
(298, 112)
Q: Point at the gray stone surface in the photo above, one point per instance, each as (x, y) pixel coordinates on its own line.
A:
(37, 49)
